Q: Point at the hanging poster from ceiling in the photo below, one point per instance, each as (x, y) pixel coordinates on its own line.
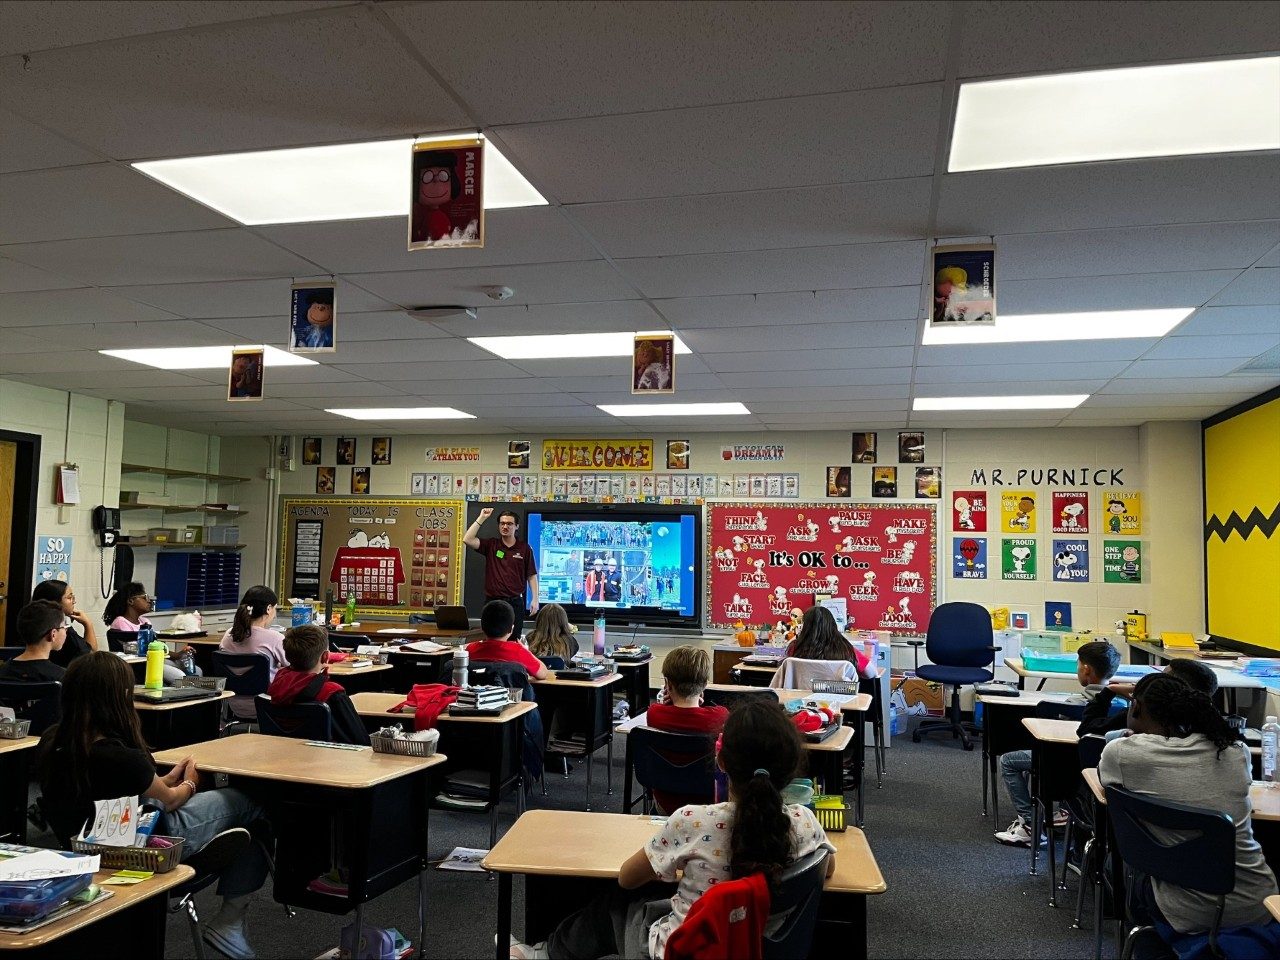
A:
(446, 206)
(766, 558)
(313, 318)
(964, 286)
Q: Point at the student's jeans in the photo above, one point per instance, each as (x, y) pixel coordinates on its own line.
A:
(1015, 768)
(205, 816)
(616, 922)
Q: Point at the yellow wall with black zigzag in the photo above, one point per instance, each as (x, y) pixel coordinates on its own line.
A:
(1242, 511)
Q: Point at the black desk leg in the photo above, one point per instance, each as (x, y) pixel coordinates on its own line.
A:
(859, 748)
(503, 946)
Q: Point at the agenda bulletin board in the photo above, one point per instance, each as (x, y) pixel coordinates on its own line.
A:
(764, 558)
(396, 555)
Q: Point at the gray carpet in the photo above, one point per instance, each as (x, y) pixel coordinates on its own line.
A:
(953, 892)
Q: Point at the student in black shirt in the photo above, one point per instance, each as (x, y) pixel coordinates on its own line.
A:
(1098, 719)
(41, 631)
(60, 592)
(97, 752)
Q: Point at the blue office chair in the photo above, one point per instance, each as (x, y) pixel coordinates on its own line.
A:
(960, 648)
(302, 721)
(247, 674)
(675, 763)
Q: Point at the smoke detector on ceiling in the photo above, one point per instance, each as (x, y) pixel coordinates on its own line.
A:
(444, 312)
(499, 293)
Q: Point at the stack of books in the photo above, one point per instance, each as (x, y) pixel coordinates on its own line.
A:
(481, 699)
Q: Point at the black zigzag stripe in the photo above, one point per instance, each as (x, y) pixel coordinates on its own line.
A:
(1255, 521)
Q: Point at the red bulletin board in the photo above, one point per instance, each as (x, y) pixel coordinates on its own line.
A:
(765, 558)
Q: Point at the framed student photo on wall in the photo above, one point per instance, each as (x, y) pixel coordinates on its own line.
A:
(380, 453)
(346, 451)
(360, 480)
(325, 479)
(312, 451)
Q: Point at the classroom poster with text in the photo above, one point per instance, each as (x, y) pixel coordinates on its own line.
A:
(1123, 512)
(969, 558)
(1018, 511)
(1070, 512)
(1071, 561)
(1121, 561)
(1017, 558)
(969, 511)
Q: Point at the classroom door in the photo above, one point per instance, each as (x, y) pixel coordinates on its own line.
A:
(8, 471)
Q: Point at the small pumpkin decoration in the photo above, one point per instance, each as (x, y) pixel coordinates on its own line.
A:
(745, 636)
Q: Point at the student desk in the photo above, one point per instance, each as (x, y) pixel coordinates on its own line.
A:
(489, 744)
(589, 706)
(635, 682)
(355, 679)
(724, 656)
(389, 632)
(180, 722)
(1273, 906)
(1148, 651)
(1229, 681)
(16, 760)
(755, 674)
(380, 801)
(1055, 775)
(1003, 732)
(129, 924)
(575, 855)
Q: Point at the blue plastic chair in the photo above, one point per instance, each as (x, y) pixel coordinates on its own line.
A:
(960, 646)
(677, 763)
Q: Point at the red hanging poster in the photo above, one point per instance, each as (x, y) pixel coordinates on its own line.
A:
(765, 558)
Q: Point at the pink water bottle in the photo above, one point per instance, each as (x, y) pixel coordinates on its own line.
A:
(597, 638)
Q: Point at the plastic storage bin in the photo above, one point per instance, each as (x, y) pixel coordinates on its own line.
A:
(1041, 643)
(1064, 663)
(27, 901)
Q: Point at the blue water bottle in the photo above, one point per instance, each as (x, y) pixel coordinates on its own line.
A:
(146, 635)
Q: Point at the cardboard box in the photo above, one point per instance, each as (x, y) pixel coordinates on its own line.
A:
(162, 535)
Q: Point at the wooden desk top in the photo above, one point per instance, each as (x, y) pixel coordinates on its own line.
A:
(554, 681)
(1264, 800)
(632, 664)
(123, 898)
(1052, 731)
(346, 670)
(835, 743)
(144, 707)
(296, 761)
(403, 631)
(569, 843)
(379, 705)
(859, 704)
(1026, 698)
(1273, 906)
(13, 746)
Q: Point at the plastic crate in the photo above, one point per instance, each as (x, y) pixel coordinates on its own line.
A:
(204, 683)
(1033, 642)
(403, 747)
(14, 729)
(1064, 663)
(154, 859)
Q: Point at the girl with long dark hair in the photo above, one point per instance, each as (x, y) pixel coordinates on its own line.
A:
(77, 643)
(250, 633)
(820, 639)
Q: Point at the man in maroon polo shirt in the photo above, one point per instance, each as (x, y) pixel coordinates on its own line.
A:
(509, 565)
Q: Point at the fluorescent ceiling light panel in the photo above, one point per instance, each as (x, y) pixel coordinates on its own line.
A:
(1219, 106)
(1068, 401)
(577, 346)
(1040, 327)
(674, 409)
(346, 181)
(205, 358)
(401, 413)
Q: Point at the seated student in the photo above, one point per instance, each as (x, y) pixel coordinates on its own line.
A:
(97, 752)
(305, 680)
(250, 633)
(1182, 750)
(1098, 719)
(1096, 662)
(754, 832)
(497, 620)
(686, 671)
(40, 628)
(60, 592)
(552, 636)
(126, 611)
(820, 639)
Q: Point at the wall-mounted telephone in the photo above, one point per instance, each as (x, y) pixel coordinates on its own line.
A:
(106, 524)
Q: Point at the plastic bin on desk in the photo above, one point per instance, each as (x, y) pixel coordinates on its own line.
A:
(27, 901)
(1040, 643)
(1063, 663)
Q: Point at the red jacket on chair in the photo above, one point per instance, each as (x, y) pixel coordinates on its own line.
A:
(725, 923)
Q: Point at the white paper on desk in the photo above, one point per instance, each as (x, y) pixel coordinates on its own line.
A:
(46, 864)
(405, 630)
(369, 648)
(426, 646)
(836, 699)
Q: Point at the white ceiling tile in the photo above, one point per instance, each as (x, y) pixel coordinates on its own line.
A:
(1011, 38)
(29, 146)
(809, 421)
(982, 376)
(352, 327)
(985, 418)
(312, 373)
(1133, 292)
(126, 390)
(1198, 368)
(548, 283)
(1055, 352)
(15, 343)
(801, 361)
(601, 317)
(1272, 259)
(619, 367)
(1186, 348)
(420, 350)
(17, 277)
(157, 258)
(426, 373)
(684, 395)
(643, 57)
(824, 306)
(779, 271)
(1166, 249)
(852, 391)
(836, 377)
(1137, 415)
(1253, 287)
(1161, 398)
(879, 134)
(804, 336)
(110, 200)
(47, 307)
(520, 235)
(609, 384)
(1087, 196)
(813, 407)
(126, 336)
(239, 86)
(765, 219)
(1220, 321)
(136, 377)
(322, 393)
(1207, 386)
(264, 302)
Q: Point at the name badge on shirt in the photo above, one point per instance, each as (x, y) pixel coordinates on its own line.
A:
(499, 554)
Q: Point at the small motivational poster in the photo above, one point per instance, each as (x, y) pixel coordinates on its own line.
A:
(969, 558)
(1071, 561)
(1121, 561)
(1017, 558)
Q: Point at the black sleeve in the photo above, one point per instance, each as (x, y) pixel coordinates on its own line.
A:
(1095, 718)
(119, 771)
(347, 725)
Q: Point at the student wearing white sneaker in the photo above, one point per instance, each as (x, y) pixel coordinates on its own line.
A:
(1095, 664)
(96, 752)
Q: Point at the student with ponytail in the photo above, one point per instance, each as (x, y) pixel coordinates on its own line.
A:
(1181, 749)
(701, 845)
(250, 633)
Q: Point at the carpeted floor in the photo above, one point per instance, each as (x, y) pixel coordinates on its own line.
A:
(952, 891)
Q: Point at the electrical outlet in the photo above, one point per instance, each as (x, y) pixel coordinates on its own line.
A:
(269, 473)
(290, 465)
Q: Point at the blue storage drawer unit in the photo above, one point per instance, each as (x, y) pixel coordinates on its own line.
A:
(196, 579)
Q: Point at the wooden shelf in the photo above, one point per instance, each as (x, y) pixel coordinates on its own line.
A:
(174, 472)
(183, 508)
(200, 547)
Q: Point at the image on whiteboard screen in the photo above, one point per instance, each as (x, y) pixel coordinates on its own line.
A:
(638, 564)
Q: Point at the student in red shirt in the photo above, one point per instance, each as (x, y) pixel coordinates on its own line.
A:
(496, 620)
(686, 671)
(306, 680)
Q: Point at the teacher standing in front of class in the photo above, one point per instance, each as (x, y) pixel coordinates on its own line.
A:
(509, 565)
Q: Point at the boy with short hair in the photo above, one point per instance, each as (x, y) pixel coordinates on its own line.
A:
(1098, 718)
(305, 680)
(1096, 661)
(41, 629)
(686, 671)
(497, 620)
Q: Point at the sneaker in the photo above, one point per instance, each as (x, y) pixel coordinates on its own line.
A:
(230, 941)
(1018, 834)
(331, 884)
(529, 951)
(1060, 820)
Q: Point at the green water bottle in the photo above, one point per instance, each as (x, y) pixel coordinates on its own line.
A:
(350, 616)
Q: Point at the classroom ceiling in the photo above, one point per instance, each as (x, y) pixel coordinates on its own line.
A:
(763, 179)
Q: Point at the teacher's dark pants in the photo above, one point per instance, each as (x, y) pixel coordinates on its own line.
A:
(517, 605)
